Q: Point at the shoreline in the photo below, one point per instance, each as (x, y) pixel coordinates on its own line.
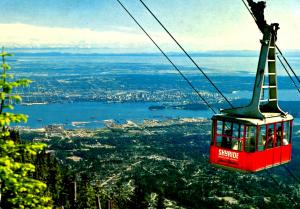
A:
(111, 124)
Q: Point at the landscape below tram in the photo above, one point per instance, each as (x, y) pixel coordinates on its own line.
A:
(125, 131)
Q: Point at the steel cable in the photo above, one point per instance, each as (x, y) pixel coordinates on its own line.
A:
(287, 63)
(185, 52)
(183, 76)
(288, 74)
(290, 67)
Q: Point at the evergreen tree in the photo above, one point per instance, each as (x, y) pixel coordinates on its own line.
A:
(18, 188)
(68, 192)
(47, 169)
(86, 193)
(160, 201)
(54, 180)
(138, 201)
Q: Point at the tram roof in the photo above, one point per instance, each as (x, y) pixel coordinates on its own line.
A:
(269, 118)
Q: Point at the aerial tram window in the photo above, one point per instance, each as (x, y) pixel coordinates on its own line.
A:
(229, 135)
(238, 134)
(287, 133)
(250, 140)
(262, 138)
(270, 137)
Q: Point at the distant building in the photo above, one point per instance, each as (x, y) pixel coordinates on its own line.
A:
(58, 128)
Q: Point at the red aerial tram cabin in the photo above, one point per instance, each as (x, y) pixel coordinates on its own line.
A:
(250, 145)
(257, 136)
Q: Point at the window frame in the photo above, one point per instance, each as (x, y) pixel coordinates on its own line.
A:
(255, 127)
(240, 138)
(274, 129)
(242, 134)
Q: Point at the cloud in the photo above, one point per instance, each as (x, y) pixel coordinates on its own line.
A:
(36, 36)
(25, 35)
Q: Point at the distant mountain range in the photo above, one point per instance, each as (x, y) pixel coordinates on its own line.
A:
(111, 52)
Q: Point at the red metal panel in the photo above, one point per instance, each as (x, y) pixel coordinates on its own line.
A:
(276, 155)
(226, 157)
(250, 162)
(258, 160)
(268, 153)
(286, 153)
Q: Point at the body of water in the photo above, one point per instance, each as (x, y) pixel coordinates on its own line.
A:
(93, 114)
(57, 75)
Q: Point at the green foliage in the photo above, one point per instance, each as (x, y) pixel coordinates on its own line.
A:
(124, 176)
(18, 188)
(14, 176)
(160, 201)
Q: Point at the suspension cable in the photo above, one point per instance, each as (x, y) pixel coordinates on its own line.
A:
(291, 173)
(288, 74)
(279, 186)
(275, 45)
(287, 63)
(249, 10)
(185, 52)
(183, 76)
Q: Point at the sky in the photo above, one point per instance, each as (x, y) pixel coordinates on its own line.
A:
(199, 25)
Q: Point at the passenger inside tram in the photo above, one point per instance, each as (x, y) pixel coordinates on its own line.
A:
(270, 138)
(252, 144)
(278, 136)
(266, 141)
(227, 140)
(286, 134)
